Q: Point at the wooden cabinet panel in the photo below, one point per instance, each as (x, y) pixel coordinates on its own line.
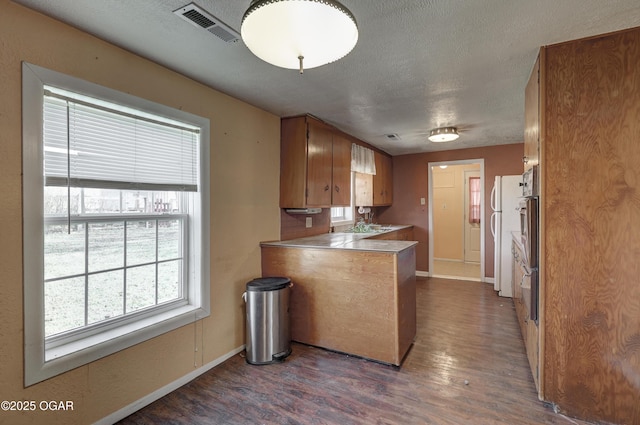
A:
(341, 176)
(319, 160)
(356, 302)
(364, 190)
(380, 180)
(293, 162)
(590, 226)
(405, 234)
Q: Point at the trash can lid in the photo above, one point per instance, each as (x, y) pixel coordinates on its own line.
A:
(262, 284)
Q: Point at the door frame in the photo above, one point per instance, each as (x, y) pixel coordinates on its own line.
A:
(430, 166)
(465, 218)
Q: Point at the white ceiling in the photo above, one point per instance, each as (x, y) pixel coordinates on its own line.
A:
(418, 64)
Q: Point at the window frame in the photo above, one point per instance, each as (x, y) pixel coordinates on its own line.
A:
(42, 362)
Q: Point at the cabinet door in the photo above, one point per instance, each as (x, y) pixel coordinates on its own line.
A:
(341, 187)
(388, 179)
(319, 158)
(364, 190)
(383, 180)
(293, 162)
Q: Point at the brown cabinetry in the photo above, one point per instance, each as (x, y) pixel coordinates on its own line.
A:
(383, 181)
(376, 190)
(315, 165)
(587, 108)
(405, 234)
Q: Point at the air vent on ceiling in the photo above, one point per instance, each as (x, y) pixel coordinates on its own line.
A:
(200, 18)
(392, 136)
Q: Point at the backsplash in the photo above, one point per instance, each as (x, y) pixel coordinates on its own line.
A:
(293, 226)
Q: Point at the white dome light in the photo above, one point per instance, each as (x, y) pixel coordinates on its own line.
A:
(443, 134)
(294, 34)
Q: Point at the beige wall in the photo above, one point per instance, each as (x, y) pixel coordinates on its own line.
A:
(244, 210)
(448, 210)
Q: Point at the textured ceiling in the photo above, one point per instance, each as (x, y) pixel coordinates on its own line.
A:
(417, 65)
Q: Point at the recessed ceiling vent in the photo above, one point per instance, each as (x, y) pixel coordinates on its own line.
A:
(392, 136)
(200, 18)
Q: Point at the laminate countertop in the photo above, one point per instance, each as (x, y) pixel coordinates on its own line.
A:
(349, 241)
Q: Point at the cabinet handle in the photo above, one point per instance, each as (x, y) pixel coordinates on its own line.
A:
(337, 188)
(326, 188)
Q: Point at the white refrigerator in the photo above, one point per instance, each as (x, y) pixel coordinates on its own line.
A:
(505, 219)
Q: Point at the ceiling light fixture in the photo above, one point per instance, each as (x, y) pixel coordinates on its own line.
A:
(298, 34)
(443, 134)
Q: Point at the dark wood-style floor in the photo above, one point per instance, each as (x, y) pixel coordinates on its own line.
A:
(467, 366)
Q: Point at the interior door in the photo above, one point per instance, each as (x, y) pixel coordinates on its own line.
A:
(471, 230)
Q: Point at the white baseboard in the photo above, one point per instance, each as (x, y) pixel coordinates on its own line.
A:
(422, 274)
(161, 392)
(491, 280)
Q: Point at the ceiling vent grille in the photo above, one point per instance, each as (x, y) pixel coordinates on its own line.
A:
(202, 19)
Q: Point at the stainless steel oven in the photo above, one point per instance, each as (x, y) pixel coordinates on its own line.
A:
(529, 234)
(529, 230)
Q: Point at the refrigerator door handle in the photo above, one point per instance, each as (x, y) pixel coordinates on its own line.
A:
(494, 217)
(493, 198)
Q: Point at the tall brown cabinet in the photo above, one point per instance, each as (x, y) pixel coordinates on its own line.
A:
(587, 104)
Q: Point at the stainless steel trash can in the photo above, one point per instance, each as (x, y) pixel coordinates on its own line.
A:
(268, 332)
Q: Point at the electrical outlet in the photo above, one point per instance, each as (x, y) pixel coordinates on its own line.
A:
(309, 222)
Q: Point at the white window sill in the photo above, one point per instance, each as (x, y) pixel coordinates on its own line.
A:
(77, 353)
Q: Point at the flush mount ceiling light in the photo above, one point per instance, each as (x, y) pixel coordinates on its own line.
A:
(298, 34)
(443, 134)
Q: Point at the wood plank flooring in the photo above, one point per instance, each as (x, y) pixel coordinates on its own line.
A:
(467, 366)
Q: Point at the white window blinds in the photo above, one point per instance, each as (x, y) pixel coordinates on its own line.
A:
(102, 145)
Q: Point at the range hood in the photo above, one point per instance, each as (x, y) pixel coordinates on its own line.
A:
(303, 210)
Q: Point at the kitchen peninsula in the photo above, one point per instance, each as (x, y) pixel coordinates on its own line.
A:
(352, 292)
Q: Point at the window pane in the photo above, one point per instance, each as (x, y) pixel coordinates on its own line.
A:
(56, 201)
(141, 287)
(169, 239)
(169, 281)
(141, 242)
(101, 201)
(64, 305)
(137, 201)
(106, 246)
(106, 296)
(63, 252)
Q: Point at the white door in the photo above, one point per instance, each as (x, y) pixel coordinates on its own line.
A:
(471, 230)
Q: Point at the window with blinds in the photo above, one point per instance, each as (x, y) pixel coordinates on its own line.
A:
(103, 145)
(116, 213)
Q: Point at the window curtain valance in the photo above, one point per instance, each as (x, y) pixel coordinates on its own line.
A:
(362, 160)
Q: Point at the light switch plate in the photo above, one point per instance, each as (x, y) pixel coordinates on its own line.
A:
(309, 222)
(423, 201)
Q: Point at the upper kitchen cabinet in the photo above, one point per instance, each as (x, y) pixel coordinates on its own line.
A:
(383, 181)
(341, 170)
(532, 118)
(376, 190)
(315, 165)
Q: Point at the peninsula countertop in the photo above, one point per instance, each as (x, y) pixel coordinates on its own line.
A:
(349, 241)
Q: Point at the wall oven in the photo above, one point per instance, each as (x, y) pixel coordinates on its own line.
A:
(529, 235)
(529, 230)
